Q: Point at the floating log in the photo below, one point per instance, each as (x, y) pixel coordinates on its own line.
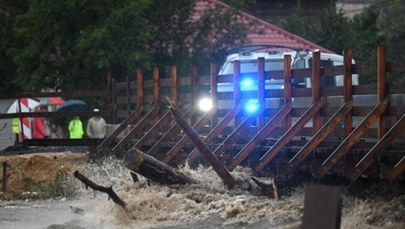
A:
(110, 192)
(153, 169)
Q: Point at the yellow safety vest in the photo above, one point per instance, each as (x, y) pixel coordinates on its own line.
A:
(15, 125)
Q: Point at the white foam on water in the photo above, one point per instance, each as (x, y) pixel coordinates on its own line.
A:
(210, 203)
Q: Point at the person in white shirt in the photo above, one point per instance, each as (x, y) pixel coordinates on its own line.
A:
(96, 126)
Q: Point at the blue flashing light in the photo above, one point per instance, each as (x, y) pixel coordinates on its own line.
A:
(248, 84)
(252, 106)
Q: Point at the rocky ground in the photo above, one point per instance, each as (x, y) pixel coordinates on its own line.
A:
(38, 173)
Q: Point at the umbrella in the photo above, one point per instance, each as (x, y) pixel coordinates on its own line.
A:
(48, 101)
(13, 108)
(72, 105)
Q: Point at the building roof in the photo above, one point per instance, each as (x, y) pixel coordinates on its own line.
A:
(269, 34)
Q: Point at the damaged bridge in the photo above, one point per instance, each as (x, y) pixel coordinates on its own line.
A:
(351, 131)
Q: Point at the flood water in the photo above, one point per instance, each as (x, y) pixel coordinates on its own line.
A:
(205, 205)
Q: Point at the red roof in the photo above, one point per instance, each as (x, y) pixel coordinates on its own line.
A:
(270, 34)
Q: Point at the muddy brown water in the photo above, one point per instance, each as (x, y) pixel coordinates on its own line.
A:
(205, 205)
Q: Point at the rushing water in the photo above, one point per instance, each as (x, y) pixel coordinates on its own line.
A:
(205, 205)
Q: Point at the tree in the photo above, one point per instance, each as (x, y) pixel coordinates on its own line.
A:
(299, 23)
(8, 19)
(335, 32)
(72, 44)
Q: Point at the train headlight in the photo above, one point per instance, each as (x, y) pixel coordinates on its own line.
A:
(205, 104)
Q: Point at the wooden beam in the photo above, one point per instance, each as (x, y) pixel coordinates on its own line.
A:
(183, 141)
(175, 128)
(287, 89)
(104, 144)
(139, 88)
(218, 167)
(319, 136)
(398, 169)
(216, 130)
(174, 82)
(236, 86)
(138, 127)
(219, 151)
(350, 140)
(262, 134)
(153, 169)
(153, 129)
(316, 87)
(347, 88)
(156, 86)
(261, 88)
(214, 92)
(383, 143)
(290, 133)
(381, 85)
(108, 190)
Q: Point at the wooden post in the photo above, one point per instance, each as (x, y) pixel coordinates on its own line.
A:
(174, 95)
(316, 87)
(156, 95)
(156, 85)
(114, 110)
(128, 95)
(381, 85)
(236, 87)
(194, 84)
(347, 87)
(110, 97)
(261, 89)
(214, 89)
(139, 88)
(287, 89)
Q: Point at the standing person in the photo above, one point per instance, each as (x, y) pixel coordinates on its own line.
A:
(76, 128)
(96, 126)
(38, 126)
(15, 129)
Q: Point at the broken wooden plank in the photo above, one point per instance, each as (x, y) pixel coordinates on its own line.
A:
(108, 190)
(153, 169)
(218, 167)
(183, 141)
(216, 130)
(270, 190)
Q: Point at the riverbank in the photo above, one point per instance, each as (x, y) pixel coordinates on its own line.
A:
(39, 175)
(208, 204)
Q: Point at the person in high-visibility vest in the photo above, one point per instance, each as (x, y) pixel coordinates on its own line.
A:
(76, 128)
(15, 129)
